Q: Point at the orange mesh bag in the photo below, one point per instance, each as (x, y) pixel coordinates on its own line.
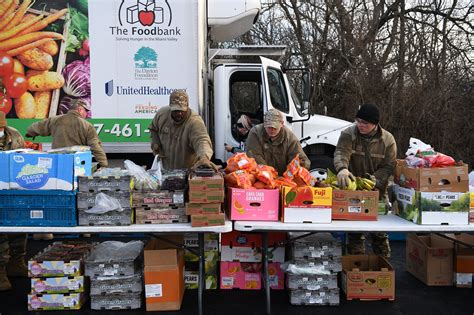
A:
(293, 168)
(266, 174)
(240, 161)
(243, 179)
(304, 178)
(282, 181)
(259, 185)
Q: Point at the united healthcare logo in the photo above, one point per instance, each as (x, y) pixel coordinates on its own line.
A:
(145, 12)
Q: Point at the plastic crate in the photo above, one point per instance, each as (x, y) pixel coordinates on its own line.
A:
(38, 208)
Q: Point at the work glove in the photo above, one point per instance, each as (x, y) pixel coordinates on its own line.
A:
(343, 178)
(228, 148)
(204, 162)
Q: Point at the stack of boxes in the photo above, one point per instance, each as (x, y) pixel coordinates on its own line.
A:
(211, 257)
(164, 206)
(117, 187)
(206, 195)
(115, 276)
(57, 280)
(432, 195)
(312, 272)
(241, 261)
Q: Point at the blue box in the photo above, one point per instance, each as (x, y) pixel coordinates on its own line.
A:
(39, 171)
(38, 208)
(4, 173)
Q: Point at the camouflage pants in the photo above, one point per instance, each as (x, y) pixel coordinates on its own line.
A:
(380, 244)
(12, 245)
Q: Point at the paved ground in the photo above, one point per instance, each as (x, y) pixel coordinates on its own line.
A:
(412, 297)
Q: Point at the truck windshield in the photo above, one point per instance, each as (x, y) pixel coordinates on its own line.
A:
(276, 86)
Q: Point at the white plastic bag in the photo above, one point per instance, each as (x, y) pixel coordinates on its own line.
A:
(416, 145)
(143, 180)
(104, 204)
(156, 169)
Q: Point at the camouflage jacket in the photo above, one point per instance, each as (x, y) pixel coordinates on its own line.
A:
(68, 130)
(12, 140)
(374, 155)
(179, 144)
(277, 153)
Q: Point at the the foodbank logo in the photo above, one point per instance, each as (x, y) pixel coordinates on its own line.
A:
(145, 12)
(146, 60)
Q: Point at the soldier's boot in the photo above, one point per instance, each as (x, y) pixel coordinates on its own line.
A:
(4, 282)
(381, 245)
(16, 267)
(356, 244)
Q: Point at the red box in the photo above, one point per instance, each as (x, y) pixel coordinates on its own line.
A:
(248, 276)
(247, 247)
(254, 204)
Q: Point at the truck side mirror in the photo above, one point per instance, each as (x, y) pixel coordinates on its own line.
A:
(306, 87)
(289, 119)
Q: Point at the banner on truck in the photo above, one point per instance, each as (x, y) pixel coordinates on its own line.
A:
(122, 57)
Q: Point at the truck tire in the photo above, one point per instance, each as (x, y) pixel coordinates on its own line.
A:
(319, 166)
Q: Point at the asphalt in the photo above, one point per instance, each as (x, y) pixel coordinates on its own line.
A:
(412, 297)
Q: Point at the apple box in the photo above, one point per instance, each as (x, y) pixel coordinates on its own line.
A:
(254, 204)
(355, 205)
(367, 277)
(306, 204)
(451, 178)
(432, 207)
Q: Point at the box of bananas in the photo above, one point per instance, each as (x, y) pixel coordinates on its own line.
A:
(358, 201)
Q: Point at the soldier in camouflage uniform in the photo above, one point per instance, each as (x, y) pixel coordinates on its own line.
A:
(271, 143)
(179, 136)
(366, 149)
(12, 246)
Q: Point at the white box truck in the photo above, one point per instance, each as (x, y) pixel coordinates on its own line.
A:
(142, 50)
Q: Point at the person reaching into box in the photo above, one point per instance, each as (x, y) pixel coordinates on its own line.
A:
(366, 149)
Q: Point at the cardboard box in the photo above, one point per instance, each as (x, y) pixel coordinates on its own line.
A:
(464, 256)
(58, 285)
(306, 204)
(164, 278)
(355, 205)
(463, 280)
(248, 276)
(367, 277)
(203, 208)
(253, 204)
(5, 166)
(206, 196)
(471, 206)
(63, 301)
(48, 171)
(452, 178)
(430, 259)
(212, 219)
(215, 182)
(432, 207)
(247, 247)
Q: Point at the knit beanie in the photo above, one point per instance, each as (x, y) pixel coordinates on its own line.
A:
(370, 113)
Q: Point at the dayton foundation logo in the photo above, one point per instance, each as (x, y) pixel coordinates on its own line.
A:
(145, 12)
(146, 64)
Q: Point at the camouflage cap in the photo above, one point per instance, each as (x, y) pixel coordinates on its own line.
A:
(179, 100)
(3, 121)
(273, 119)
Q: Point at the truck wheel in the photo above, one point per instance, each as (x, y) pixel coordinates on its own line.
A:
(319, 166)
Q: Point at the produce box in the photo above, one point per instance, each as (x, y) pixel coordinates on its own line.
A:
(430, 259)
(306, 204)
(367, 277)
(432, 207)
(315, 297)
(215, 182)
(62, 301)
(355, 205)
(58, 285)
(191, 280)
(253, 204)
(311, 282)
(112, 218)
(212, 219)
(463, 280)
(471, 206)
(162, 199)
(116, 284)
(248, 276)
(97, 184)
(203, 208)
(247, 247)
(126, 267)
(464, 256)
(86, 200)
(129, 301)
(164, 278)
(48, 171)
(147, 215)
(451, 178)
(206, 196)
(211, 245)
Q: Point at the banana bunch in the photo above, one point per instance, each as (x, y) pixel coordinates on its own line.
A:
(364, 184)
